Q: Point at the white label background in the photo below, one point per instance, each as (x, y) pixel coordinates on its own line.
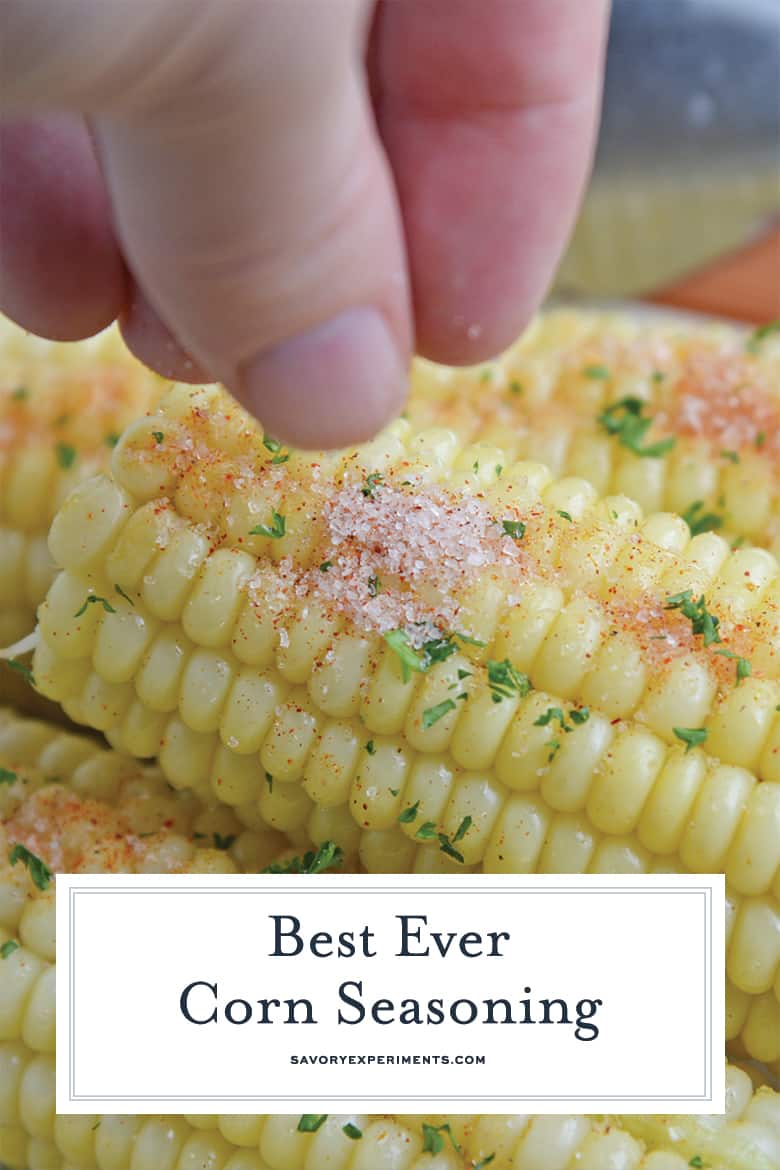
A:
(650, 947)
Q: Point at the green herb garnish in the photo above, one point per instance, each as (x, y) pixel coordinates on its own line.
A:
(371, 747)
(7, 777)
(505, 681)
(371, 483)
(8, 948)
(275, 530)
(433, 1139)
(703, 623)
(20, 668)
(122, 593)
(691, 736)
(432, 715)
(462, 829)
(325, 857)
(374, 586)
(158, 437)
(409, 815)
(514, 528)
(352, 1132)
(224, 842)
(550, 714)
(753, 344)
(427, 832)
(311, 1122)
(39, 871)
(435, 650)
(66, 455)
(93, 599)
(625, 420)
(596, 372)
(744, 667)
(700, 521)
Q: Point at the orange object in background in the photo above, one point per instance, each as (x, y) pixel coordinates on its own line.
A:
(744, 284)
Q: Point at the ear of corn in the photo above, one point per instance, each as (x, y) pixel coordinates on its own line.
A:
(580, 390)
(62, 408)
(76, 806)
(434, 665)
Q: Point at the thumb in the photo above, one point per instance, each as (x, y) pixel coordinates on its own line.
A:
(252, 199)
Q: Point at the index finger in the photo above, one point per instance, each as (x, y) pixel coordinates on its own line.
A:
(488, 112)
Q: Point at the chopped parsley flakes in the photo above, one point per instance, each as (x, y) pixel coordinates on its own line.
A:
(463, 829)
(352, 1132)
(744, 668)
(20, 668)
(327, 856)
(93, 599)
(753, 344)
(698, 520)
(275, 530)
(691, 736)
(221, 842)
(275, 447)
(433, 1138)
(514, 528)
(432, 715)
(505, 682)
(626, 421)
(434, 650)
(66, 455)
(597, 373)
(371, 483)
(7, 777)
(703, 623)
(38, 870)
(409, 815)
(8, 948)
(311, 1122)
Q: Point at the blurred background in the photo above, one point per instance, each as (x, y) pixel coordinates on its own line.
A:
(684, 205)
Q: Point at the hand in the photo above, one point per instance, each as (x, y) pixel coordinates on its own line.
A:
(290, 195)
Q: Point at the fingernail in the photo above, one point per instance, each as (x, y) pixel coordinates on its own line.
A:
(338, 384)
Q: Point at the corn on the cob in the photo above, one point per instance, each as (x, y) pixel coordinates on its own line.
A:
(579, 392)
(62, 407)
(400, 649)
(76, 806)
